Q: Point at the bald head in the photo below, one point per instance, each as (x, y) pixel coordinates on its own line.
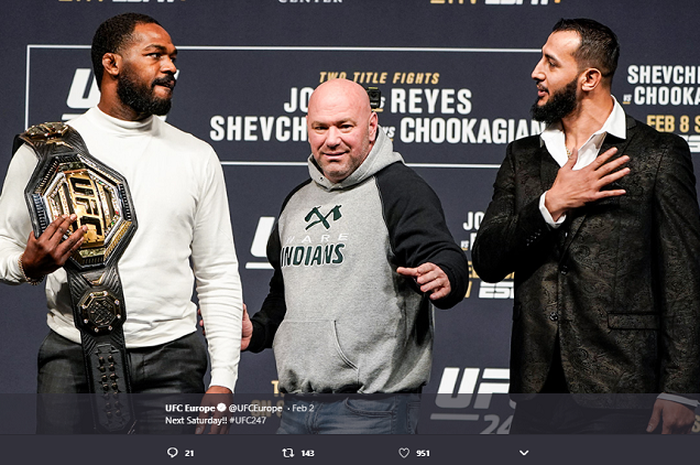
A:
(342, 127)
(340, 92)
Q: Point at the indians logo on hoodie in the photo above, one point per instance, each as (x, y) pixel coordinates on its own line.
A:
(327, 253)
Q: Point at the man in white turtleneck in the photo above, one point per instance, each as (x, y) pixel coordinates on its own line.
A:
(184, 232)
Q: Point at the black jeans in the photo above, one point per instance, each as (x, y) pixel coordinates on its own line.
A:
(158, 375)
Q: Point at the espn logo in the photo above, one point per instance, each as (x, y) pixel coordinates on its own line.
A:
(502, 290)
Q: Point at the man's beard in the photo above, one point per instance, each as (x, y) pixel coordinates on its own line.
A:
(560, 104)
(140, 97)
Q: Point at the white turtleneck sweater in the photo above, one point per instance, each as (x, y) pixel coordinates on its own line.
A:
(184, 238)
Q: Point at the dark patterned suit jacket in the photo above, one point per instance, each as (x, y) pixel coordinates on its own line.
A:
(618, 283)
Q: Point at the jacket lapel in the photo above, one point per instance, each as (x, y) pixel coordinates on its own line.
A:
(548, 168)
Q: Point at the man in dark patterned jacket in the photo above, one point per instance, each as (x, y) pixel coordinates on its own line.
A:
(598, 218)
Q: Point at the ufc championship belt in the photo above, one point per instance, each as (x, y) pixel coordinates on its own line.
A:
(67, 180)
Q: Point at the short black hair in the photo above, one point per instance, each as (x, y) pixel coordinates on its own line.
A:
(599, 45)
(112, 35)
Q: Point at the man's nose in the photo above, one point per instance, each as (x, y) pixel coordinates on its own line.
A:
(537, 73)
(168, 66)
(333, 136)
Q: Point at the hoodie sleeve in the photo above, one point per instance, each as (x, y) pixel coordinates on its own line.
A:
(268, 319)
(417, 229)
(270, 316)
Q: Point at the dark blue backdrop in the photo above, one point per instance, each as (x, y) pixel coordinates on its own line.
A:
(455, 75)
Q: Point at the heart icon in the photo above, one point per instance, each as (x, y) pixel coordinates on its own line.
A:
(403, 452)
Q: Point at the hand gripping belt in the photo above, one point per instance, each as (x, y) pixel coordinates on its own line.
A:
(66, 180)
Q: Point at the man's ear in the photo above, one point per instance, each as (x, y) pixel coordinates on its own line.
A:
(373, 125)
(112, 63)
(590, 79)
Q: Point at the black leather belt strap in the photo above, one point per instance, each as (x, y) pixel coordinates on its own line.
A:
(67, 180)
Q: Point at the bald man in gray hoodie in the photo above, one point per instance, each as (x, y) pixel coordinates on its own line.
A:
(360, 251)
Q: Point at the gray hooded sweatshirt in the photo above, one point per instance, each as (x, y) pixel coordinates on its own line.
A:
(338, 316)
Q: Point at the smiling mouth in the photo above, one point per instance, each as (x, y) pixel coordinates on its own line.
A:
(334, 154)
